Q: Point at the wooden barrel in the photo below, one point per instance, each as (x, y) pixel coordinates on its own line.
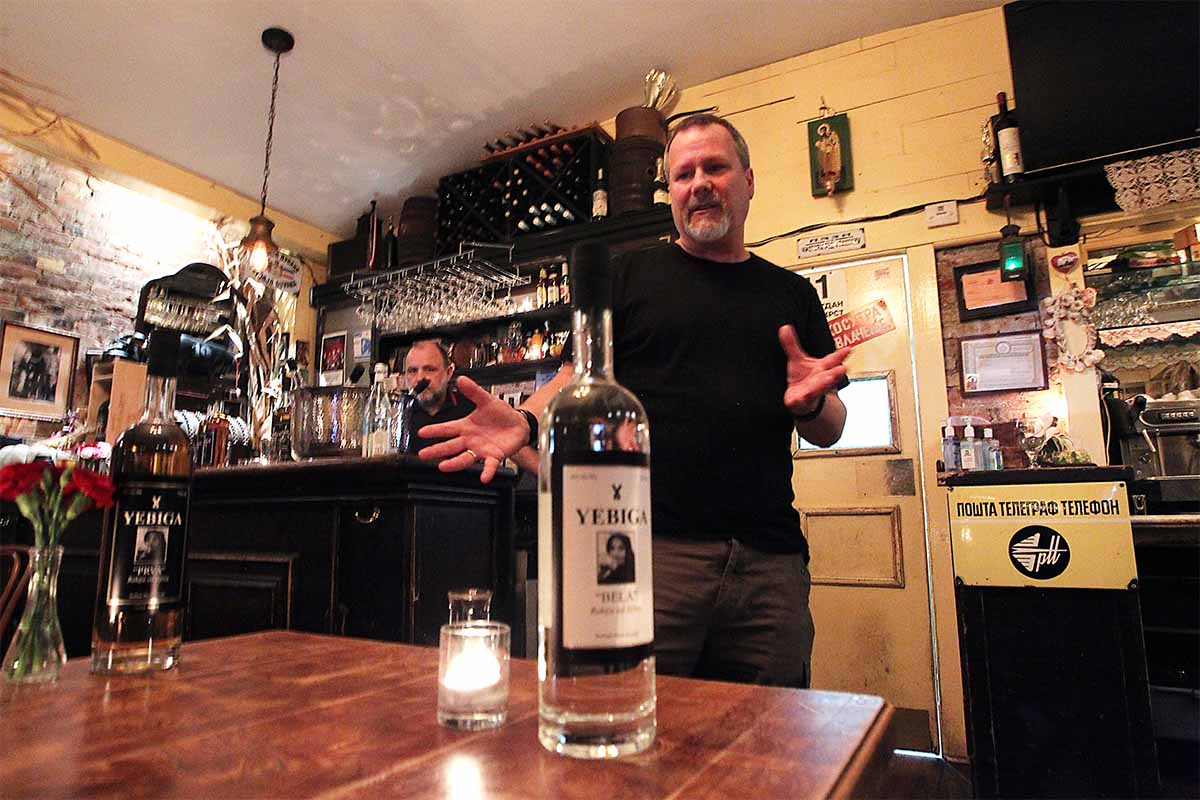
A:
(642, 121)
(631, 174)
(418, 220)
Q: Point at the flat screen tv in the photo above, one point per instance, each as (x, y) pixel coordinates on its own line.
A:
(1105, 79)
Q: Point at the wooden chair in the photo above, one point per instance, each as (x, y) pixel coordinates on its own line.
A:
(15, 566)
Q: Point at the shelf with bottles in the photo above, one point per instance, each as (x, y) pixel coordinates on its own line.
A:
(542, 187)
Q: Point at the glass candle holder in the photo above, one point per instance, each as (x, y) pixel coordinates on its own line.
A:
(469, 604)
(473, 674)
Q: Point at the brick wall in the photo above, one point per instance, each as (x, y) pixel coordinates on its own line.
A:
(77, 264)
(998, 407)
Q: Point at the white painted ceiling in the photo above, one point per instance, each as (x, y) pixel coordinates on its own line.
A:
(381, 98)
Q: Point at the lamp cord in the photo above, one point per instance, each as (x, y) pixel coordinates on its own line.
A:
(270, 135)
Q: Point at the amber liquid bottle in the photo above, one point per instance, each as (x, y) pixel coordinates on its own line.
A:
(139, 597)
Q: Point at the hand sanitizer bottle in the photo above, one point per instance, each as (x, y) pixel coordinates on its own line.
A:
(968, 452)
(949, 449)
(991, 451)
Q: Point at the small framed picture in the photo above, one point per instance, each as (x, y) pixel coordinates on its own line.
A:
(37, 368)
(981, 293)
(301, 354)
(333, 359)
(362, 346)
(1003, 363)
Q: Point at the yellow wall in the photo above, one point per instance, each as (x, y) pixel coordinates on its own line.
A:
(916, 98)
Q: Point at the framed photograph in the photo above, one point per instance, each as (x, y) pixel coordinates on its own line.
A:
(302, 354)
(1003, 363)
(362, 346)
(981, 293)
(37, 368)
(332, 366)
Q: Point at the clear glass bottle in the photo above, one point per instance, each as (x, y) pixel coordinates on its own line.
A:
(139, 597)
(378, 417)
(595, 597)
(969, 456)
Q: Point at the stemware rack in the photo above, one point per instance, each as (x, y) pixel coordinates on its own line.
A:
(541, 186)
(461, 287)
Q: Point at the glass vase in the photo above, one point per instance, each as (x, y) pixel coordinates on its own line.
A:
(36, 653)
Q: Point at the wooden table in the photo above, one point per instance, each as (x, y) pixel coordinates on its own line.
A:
(284, 714)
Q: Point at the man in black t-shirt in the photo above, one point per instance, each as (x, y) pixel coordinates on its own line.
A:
(730, 355)
(439, 402)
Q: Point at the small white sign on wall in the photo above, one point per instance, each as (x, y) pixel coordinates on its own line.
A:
(836, 242)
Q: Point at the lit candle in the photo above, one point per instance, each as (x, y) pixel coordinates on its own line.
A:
(473, 669)
(473, 674)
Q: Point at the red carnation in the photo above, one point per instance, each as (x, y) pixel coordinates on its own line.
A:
(19, 479)
(97, 487)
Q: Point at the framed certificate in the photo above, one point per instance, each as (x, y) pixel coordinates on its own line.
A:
(981, 293)
(1003, 363)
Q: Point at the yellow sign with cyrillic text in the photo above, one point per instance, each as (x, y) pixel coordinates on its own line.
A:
(1053, 535)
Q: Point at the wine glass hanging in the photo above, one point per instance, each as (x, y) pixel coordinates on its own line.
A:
(458, 288)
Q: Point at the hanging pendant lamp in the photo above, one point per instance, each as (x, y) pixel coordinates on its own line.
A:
(258, 247)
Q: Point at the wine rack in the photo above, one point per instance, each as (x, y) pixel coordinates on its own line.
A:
(543, 186)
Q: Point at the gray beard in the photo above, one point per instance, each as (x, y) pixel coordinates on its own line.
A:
(708, 232)
(432, 402)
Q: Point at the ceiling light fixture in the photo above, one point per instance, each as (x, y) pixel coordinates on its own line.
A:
(258, 247)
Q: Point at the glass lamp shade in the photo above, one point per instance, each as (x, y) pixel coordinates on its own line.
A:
(258, 247)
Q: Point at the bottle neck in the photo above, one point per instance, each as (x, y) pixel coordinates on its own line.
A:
(160, 399)
(593, 343)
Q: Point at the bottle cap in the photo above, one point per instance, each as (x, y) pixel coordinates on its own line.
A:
(949, 430)
(987, 433)
(591, 287)
(969, 432)
(162, 353)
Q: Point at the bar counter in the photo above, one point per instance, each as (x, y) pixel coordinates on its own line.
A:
(354, 546)
(298, 715)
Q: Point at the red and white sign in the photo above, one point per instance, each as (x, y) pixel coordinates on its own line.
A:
(862, 325)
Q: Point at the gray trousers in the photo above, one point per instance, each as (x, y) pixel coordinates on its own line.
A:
(723, 611)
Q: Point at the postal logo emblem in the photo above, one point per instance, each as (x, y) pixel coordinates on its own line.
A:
(1039, 552)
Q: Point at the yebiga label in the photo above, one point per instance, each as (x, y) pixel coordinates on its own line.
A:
(607, 597)
(148, 544)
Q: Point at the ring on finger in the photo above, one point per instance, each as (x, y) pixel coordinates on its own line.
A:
(474, 455)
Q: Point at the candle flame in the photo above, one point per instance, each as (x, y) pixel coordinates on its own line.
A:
(472, 669)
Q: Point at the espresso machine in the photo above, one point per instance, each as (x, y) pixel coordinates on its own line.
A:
(1162, 444)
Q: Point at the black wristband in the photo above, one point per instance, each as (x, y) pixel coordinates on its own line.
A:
(533, 427)
(816, 412)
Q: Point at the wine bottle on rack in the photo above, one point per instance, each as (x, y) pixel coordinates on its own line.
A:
(140, 604)
(541, 289)
(596, 696)
(1008, 141)
(600, 196)
(662, 196)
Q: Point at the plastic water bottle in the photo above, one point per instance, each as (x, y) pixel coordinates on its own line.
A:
(949, 448)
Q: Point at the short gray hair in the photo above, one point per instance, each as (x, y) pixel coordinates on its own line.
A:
(703, 120)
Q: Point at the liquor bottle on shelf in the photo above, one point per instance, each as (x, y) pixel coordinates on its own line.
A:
(596, 696)
(533, 346)
(600, 196)
(281, 421)
(213, 438)
(564, 285)
(552, 288)
(541, 289)
(1008, 141)
(391, 244)
(377, 417)
(662, 196)
(138, 625)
